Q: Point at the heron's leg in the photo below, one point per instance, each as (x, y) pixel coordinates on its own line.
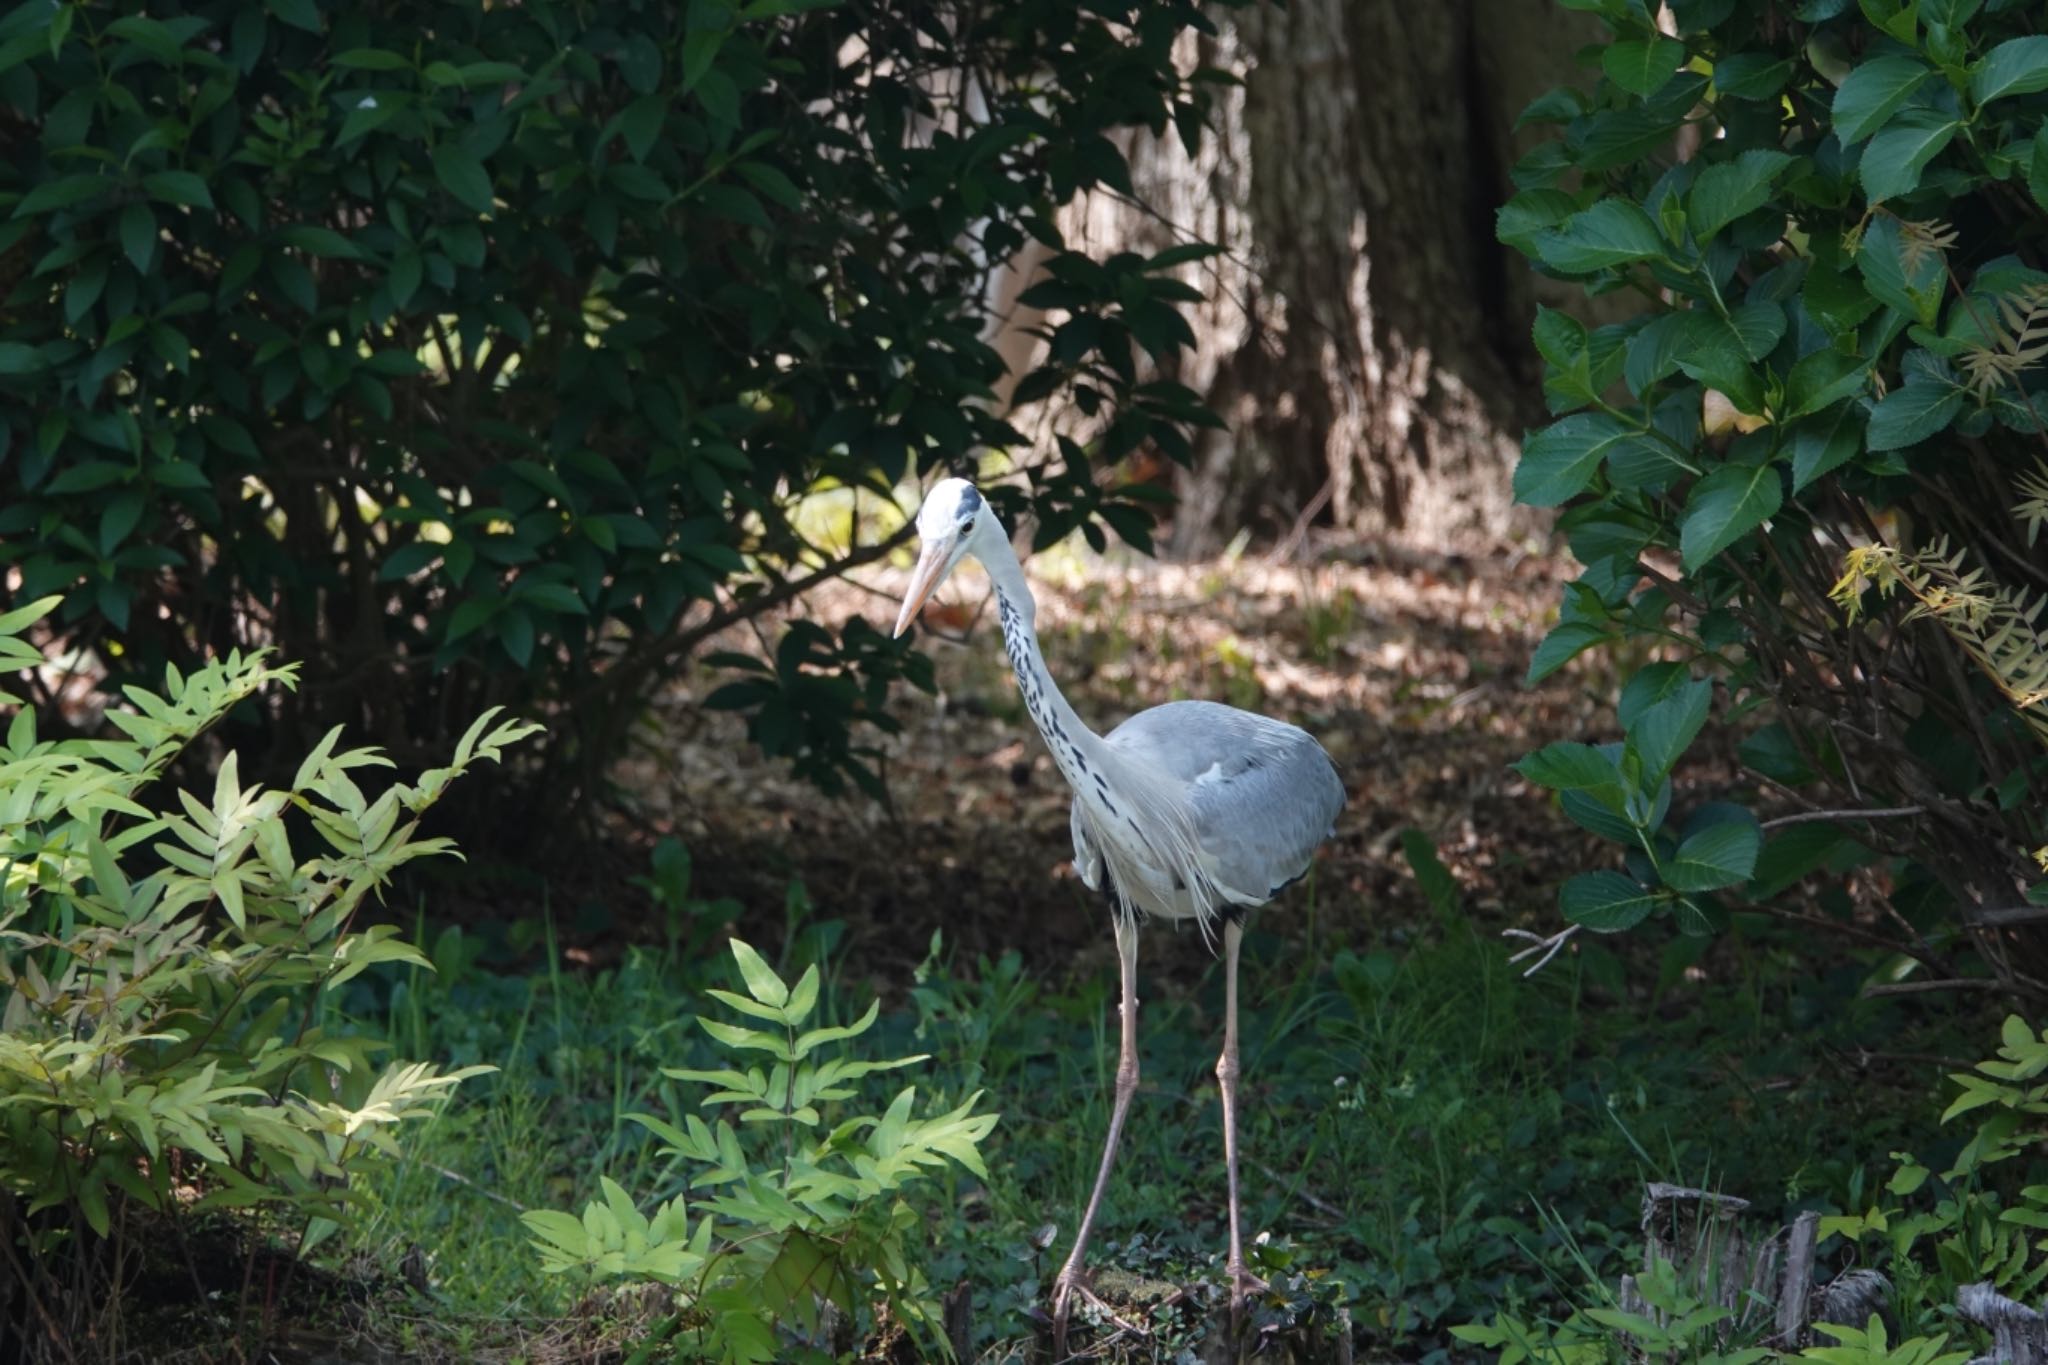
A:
(1243, 1284)
(1069, 1277)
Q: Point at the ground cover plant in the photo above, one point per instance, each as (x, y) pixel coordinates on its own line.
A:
(1834, 386)
(1432, 1137)
(166, 1054)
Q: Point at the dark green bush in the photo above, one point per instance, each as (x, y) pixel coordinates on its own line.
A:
(1804, 478)
(480, 354)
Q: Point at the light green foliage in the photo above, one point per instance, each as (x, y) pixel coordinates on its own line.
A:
(1977, 1217)
(1836, 345)
(163, 957)
(806, 1205)
(1681, 1326)
(1870, 1345)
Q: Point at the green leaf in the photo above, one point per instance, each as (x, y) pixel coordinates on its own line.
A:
(1883, 262)
(1720, 854)
(298, 13)
(1725, 506)
(1606, 902)
(138, 236)
(1892, 163)
(1820, 380)
(2017, 66)
(1757, 327)
(1565, 642)
(1569, 766)
(1873, 92)
(1825, 443)
(1664, 730)
(1612, 232)
(1726, 192)
(771, 183)
(462, 175)
(1559, 461)
(371, 59)
(1752, 75)
(16, 358)
(1913, 412)
(1642, 66)
(178, 187)
(1836, 300)
(62, 193)
(762, 982)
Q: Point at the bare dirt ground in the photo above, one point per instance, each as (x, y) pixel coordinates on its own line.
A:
(1410, 674)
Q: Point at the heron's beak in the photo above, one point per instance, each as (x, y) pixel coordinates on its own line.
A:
(931, 568)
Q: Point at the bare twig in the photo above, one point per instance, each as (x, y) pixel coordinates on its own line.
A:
(1549, 947)
(461, 1179)
(1803, 817)
(1960, 983)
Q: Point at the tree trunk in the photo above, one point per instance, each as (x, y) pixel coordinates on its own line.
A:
(1365, 337)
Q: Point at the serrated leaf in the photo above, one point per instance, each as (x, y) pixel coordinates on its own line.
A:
(1606, 902)
(1825, 443)
(1820, 381)
(1725, 506)
(1563, 643)
(1559, 461)
(1892, 163)
(1642, 66)
(1726, 192)
(1568, 766)
(1720, 854)
(1873, 92)
(1911, 413)
(1663, 730)
(2017, 66)
(1611, 232)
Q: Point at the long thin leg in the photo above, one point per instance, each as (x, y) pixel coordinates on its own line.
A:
(1242, 1283)
(1069, 1278)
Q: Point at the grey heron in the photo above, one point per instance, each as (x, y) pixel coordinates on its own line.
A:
(1188, 811)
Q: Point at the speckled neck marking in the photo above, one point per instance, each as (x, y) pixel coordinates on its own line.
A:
(1034, 683)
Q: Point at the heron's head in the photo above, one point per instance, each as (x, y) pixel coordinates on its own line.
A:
(950, 526)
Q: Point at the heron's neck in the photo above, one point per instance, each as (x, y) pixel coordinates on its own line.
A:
(1079, 751)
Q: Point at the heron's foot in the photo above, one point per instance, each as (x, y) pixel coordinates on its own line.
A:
(1073, 1284)
(1244, 1287)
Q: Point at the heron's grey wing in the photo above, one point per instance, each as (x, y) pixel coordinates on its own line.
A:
(1262, 792)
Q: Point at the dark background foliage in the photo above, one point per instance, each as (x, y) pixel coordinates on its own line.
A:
(482, 362)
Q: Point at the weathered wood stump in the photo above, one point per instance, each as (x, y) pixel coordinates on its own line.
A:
(2019, 1334)
(1766, 1285)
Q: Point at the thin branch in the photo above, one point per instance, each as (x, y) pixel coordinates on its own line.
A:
(1961, 983)
(2006, 914)
(484, 1190)
(1887, 813)
(1549, 947)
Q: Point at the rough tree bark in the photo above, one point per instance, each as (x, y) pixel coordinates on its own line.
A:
(1366, 338)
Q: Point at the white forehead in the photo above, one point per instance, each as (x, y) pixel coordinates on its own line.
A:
(950, 502)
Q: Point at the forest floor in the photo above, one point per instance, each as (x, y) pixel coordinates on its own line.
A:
(1409, 673)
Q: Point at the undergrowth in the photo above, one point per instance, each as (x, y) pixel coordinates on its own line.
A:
(1428, 1137)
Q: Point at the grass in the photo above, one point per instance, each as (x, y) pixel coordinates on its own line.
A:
(1428, 1132)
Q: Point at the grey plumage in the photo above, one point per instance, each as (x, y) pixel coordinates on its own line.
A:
(1261, 795)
